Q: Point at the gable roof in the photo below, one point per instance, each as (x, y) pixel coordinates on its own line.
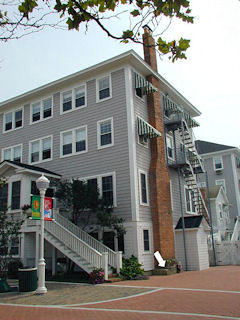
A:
(189, 222)
(127, 58)
(209, 147)
(29, 168)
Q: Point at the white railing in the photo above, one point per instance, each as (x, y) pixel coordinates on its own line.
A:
(77, 245)
(92, 242)
(236, 231)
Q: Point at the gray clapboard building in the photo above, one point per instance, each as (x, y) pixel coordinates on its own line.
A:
(120, 125)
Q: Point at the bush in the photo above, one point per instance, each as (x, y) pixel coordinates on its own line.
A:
(97, 276)
(13, 267)
(131, 269)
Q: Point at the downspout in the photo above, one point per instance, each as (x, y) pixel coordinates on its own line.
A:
(210, 215)
(183, 223)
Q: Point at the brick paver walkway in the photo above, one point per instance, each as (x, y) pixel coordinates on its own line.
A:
(208, 294)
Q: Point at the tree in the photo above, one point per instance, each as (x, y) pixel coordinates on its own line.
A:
(10, 226)
(82, 199)
(33, 15)
(78, 197)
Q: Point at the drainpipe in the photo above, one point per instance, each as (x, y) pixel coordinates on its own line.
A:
(210, 215)
(183, 223)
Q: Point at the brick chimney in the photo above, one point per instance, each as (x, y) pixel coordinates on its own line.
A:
(159, 178)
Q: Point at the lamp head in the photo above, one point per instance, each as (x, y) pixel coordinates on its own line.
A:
(42, 183)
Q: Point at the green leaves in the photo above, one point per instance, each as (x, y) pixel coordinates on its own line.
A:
(26, 7)
(176, 49)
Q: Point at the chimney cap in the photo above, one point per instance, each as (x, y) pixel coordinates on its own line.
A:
(147, 29)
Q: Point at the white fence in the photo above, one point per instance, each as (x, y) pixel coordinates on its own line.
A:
(226, 252)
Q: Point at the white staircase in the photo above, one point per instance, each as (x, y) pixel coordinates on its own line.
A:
(76, 244)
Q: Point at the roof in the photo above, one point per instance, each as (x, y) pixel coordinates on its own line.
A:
(30, 168)
(125, 59)
(209, 147)
(214, 191)
(189, 222)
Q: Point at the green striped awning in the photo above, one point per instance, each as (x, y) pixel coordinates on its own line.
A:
(171, 106)
(141, 83)
(146, 130)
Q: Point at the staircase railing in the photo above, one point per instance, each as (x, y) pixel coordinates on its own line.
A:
(92, 242)
(77, 245)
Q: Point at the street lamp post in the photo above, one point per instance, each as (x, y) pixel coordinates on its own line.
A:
(42, 185)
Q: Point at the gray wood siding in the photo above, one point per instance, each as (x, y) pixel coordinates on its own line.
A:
(143, 155)
(227, 175)
(94, 162)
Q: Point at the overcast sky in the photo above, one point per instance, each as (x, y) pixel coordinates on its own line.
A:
(209, 78)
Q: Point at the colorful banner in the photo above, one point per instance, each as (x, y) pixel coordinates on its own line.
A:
(48, 209)
(36, 207)
(36, 215)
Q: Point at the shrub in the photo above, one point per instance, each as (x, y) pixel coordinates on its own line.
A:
(13, 267)
(97, 276)
(171, 262)
(131, 269)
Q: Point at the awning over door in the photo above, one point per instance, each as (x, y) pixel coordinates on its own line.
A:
(146, 130)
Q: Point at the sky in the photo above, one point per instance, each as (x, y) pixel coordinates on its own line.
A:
(209, 78)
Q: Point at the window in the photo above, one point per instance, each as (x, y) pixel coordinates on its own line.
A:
(41, 150)
(146, 242)
(12, 153)
(16, 189)
(74, 98)
(169, 141)
(103, 88)
(4, 197)
(218, 163)
(189, 198)
(41, 110)
(107, 189)
(13, 120)
(143, 188)
(139, 92)
(221, 182)
(143, 140)
(74, 141)
(105, 133)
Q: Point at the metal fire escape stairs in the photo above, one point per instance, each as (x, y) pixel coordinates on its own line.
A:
(186, 157)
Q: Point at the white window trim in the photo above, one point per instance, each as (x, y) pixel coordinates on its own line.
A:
(214, 167)
(99, 183)
(74, 153)
(12, 147)
(99, 134)
(97, 87)
(41, 110)
(13, 119)
(185, 199)
(171, 138)
(40, 150)
(72, 89)
(218, 183)
(140, 187)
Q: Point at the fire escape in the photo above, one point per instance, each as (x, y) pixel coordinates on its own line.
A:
(186, 158)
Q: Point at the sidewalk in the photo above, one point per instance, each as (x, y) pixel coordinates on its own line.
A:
(209, 294)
